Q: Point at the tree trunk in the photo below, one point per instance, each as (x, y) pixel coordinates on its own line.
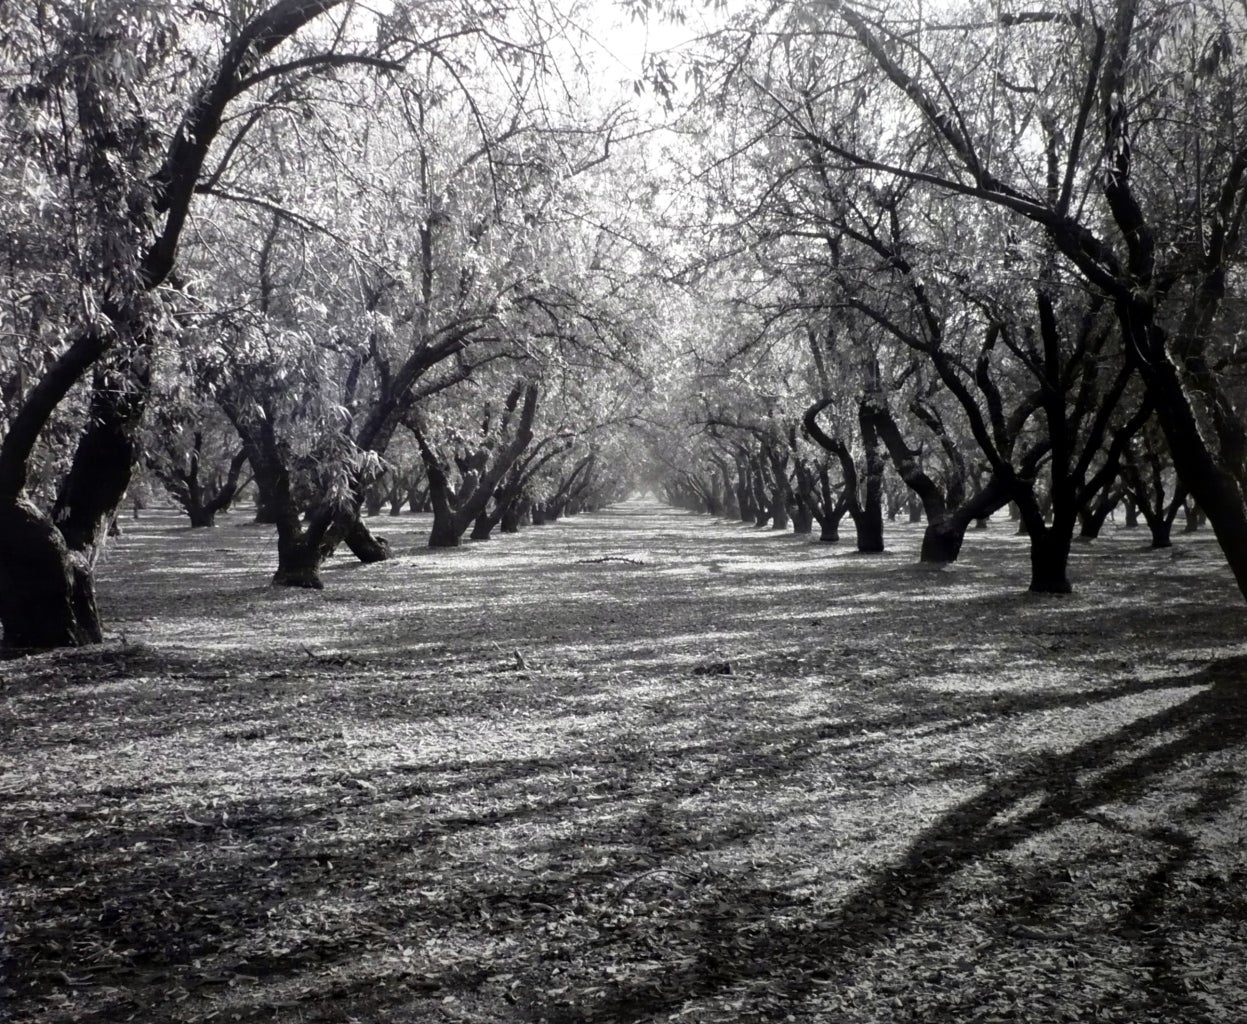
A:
(780, 517)
(47, 593)
(202, 517)
(1210, 478)
(942, 540)
(363, 544)
(1093, 520)
(265, 513)
(298, 563)
(869, 525)
(444, 533)
(761, 515)
(744, 492)
(869, 522)
(829, 532)
(1193, 518)
(802, 520)
(1050, 561)
(100, 473)
(513, 515)
(1161, 529)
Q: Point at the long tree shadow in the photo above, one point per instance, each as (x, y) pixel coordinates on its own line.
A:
(1068, 786)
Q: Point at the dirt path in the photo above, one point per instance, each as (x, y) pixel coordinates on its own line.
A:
(634, 766)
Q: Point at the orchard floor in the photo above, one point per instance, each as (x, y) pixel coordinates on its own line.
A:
(635, 766)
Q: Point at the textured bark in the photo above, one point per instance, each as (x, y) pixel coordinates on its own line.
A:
(47, 594)
(514, 515)
(298, 562)
(364, 544)
(869, 520)
(482, 471)
(90, 493)
(100, 472)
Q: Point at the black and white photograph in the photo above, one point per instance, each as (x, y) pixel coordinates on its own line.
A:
(623, 511)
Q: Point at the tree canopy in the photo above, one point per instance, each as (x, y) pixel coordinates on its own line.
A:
(788, 263)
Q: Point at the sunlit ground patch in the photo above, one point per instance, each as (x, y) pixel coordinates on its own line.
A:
(752, 778)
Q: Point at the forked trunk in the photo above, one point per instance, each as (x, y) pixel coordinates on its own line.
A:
(202, 517)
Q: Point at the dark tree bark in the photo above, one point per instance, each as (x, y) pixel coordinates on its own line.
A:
(1093, 517)
(363, 544)
(867, 515)
(375, 496)
(745, 499)
(201, 499)
(508, 501)
(481, 471)
(781, 492)
(727, 487)
(757, 482)
(40, 570)
(47, 592)
(815, 492)
(514, 514)
(869, 521)
(802, 518)
(1193, 517)
(1050, 560)
(949, 511)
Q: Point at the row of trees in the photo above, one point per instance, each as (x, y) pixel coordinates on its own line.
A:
(355, 227)
(994, 251)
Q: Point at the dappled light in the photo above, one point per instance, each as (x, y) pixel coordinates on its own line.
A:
(553, 786)
(620, 512)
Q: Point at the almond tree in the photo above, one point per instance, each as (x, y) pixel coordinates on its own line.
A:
(106, 154)
(1132, 162)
